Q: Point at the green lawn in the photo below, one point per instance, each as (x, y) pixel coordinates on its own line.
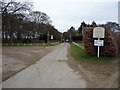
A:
(80, 55)
(30, 44)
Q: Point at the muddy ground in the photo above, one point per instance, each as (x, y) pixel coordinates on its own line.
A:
(97, 76)
(15, 59)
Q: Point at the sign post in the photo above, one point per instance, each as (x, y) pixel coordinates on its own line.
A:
(98, 43)
(98, 49)
(98, 32)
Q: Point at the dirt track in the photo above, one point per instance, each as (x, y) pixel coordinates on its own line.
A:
(51, 71)
(16, 59)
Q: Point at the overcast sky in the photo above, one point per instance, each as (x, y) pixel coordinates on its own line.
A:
(67, 13)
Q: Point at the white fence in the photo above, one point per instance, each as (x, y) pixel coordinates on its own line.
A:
(78, 45)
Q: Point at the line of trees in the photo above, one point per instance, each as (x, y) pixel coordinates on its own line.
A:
(77, 35)
(20, 23)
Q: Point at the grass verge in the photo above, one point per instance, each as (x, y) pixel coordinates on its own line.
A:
(30, 44)
(80, 55)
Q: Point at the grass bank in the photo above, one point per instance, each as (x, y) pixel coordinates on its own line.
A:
(30, 44)
(80, 55)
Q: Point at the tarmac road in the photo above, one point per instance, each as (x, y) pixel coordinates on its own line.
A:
(51, 71)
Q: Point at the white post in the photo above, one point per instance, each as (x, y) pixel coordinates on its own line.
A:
(98, 50)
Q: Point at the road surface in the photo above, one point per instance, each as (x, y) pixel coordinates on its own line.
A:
(51, 71)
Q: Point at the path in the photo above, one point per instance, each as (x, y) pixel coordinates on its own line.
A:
(51, 71)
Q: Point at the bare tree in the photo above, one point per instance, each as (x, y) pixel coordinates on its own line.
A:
(15, 7)
(39, 17)
(20, 23)
(9, 10)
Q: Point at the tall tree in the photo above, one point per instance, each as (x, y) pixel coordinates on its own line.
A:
(72, 31)
(15, 7)
(39, 17)
(20, 23)
(10, 10)
(94, 24)
(83, 24)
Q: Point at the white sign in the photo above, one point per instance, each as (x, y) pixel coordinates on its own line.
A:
(98, 32)
(98, 42)
(51, 36)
